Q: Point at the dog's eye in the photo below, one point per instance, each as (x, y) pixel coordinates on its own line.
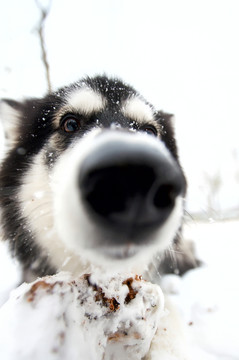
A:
(70, 124)
(149, 129)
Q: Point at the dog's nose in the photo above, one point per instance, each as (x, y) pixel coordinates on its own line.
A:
(129, 187)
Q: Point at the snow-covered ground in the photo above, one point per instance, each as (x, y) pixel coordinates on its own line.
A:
(207, 298)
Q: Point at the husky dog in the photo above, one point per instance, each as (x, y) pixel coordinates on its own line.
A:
(91, 175)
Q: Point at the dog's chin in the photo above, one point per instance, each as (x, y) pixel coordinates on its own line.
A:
(121, 252)
(121, 258)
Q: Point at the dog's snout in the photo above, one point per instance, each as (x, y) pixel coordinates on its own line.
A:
(129, 188)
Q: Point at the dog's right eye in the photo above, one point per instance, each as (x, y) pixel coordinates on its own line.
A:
(70, 124)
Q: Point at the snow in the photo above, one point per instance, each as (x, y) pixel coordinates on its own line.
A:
(10, 273)
(208, 296)
(61, 317)
(206, 300)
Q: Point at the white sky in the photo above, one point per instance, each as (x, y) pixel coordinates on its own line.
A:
(183, 56)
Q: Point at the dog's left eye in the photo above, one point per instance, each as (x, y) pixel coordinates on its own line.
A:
(70, 124)
(149, 129)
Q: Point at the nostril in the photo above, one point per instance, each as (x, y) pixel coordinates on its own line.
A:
(164, 196)
(102, 193)
(112, 190)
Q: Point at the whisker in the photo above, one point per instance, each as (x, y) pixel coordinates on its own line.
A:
(46, 205)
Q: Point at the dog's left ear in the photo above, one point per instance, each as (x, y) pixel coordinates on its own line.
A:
(11, 112)
(166, 122)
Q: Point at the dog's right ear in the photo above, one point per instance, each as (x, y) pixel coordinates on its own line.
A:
(11, 112)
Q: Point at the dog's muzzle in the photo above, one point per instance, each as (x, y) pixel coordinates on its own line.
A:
(130, 187)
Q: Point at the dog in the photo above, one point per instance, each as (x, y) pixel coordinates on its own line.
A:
(91, 175)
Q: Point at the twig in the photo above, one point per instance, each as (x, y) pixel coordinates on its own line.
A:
(40, 30)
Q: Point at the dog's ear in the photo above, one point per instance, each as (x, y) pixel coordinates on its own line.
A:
(11, 112)
(166, 122)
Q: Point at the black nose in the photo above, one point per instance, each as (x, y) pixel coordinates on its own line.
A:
(129, 187)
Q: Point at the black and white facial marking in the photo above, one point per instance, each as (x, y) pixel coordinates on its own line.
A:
(92, 174)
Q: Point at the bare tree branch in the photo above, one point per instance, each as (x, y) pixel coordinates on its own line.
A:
(40, 30)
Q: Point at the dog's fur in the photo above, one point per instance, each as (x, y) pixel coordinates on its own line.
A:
(42, 216)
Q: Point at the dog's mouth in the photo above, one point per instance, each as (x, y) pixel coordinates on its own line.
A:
(120, 252)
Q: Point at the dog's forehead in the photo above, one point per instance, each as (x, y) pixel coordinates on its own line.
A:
(88, 100)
